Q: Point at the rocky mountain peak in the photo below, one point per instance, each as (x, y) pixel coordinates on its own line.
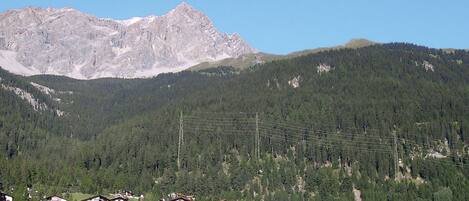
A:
(68, 42)
(184, 7)
(186, 13)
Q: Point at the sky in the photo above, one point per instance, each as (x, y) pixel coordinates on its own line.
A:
(283, 26)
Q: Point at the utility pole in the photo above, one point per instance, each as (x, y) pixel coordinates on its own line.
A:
(180, 139)
(396, 157)
(258, 150)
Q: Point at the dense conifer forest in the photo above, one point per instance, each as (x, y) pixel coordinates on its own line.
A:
(389, 121)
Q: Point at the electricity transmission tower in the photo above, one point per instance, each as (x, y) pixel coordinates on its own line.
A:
(396, 157)
(257, 138)
(180, 139)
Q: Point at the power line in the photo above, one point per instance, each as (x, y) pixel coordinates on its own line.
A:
(323, 141)
(229, 121)
(328, 134)
(354, 138)
(357, 138)
(308, 129)
(223, 113)
(225, 123)
(219, 119)
(335, 141)
(342, 143)
(352, 148)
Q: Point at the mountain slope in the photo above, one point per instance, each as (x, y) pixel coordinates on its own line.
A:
(326, 122)
(68, 42)
(93, 105)
(29, 117)
(367, 93)
(248, 60)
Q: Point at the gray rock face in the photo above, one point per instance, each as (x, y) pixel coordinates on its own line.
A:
(71, 43)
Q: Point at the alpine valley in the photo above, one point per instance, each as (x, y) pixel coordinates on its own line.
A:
(216, 119)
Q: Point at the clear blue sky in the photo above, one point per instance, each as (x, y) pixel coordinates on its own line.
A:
(281, 26)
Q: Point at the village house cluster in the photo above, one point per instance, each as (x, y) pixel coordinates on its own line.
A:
(121, 196)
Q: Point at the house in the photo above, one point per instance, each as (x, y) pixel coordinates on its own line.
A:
(179, 197)
(119, 198)
(97, 198)
(123, 196)
(182, 199)
(55, 198)
(5, 197)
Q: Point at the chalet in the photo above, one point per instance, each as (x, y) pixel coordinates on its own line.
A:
(119, 198)
(5, 197)
(124, 194)
(182, 198)
(179, 197)
(97, 198)
(55, 198)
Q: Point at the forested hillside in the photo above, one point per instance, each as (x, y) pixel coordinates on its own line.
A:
(329, 126)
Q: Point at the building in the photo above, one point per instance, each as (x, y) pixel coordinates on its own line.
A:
(5, 197)
(179, 197)
(55, 198)
(182, 199)
(123, 196)
(119, 198)
(97, 198)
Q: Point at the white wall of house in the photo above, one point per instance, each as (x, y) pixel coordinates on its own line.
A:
(55, 198)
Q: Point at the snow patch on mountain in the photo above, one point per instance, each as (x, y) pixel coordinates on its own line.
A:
(130, 21)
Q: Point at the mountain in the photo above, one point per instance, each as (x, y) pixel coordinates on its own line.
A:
(384, 120)
(71, 43)
(251, 59)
